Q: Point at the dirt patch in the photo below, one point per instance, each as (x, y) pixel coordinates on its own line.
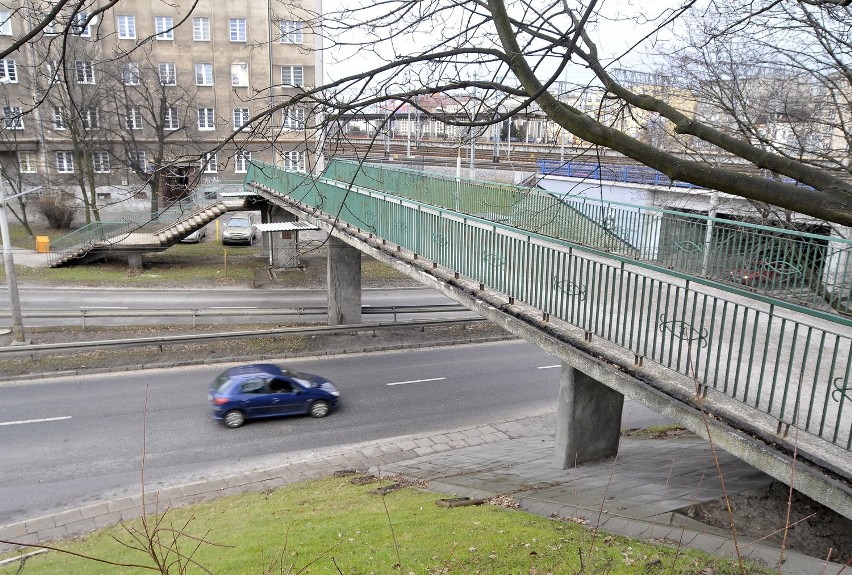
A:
(815, 529)
(658, 432)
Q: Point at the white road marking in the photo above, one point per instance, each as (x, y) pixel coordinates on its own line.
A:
(548, 366)
(35, 420)
(417, 381)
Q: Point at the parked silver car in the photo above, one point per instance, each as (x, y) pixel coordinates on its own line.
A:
(240, 229)
(196, 236)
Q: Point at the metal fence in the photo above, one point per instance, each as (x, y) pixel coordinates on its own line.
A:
(98, 233)
(796, 369)
(790, 266)
(83, 239)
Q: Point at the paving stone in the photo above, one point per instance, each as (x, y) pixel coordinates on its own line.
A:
(121, 504)
(13, 531)
(81, 526)
(53, 533)
(94, 510)
(107, 519)
(40, 524)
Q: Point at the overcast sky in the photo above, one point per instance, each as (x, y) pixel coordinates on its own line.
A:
(622, 24)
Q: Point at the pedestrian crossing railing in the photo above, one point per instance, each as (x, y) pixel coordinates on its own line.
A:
(774, 360)
(809, 269)
(82, 240)
(98, 234)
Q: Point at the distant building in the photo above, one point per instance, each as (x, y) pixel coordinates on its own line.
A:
(148, 89)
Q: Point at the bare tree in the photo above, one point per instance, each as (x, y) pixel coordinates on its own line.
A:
(510, 55)
(17, 161)
(153, 109)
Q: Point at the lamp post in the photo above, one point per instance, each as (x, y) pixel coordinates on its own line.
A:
(11, 279)
(8, 260)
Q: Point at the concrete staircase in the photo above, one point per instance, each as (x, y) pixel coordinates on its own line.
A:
(176, 231)
(131, 239)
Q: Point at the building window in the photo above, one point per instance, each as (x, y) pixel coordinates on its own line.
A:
(209, 164)
(27, 163)
(241, 117)
(291, 31)
(164, 27)
(5, 23)
(65, 162)
(81, 25)
(54, 72)
(201, 29)
(8, 69)
(294, 161)
(238, 29)
(100, 162)
(85, 72)
(239, 74)
(170, 119)
(133, 118)
(12, 118)
(130, 74)
(294, 118)
(204, 74)
(241, 162)
(168, 74)
(138, 161)
(58, 118)
(126, 27)
(292, 75)
(90, 119)
(206, 121)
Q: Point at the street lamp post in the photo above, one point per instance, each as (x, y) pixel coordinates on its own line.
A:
(11, 279)
(8, 260)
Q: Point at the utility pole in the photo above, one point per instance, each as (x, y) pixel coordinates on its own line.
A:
(11, 278)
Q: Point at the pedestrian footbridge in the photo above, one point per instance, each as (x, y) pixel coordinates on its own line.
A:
(739, 332)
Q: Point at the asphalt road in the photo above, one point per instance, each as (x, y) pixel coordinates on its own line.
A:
(230, 303)
(69, 441)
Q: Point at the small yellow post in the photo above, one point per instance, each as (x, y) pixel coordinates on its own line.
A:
(225, 253)
(217, 231)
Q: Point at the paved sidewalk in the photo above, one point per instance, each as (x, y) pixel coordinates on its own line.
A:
(635, 495)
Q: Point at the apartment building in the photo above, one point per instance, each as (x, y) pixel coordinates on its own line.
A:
(151, 97)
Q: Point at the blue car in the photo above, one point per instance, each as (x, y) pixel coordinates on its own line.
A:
(267, 390)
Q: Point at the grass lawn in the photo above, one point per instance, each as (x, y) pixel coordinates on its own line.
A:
(207, 263)
(333, 526)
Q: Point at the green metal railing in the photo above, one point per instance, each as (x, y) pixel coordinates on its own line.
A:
(520, 207)
(203, 195)
(796, 369)
(85, 238)
(804, 268)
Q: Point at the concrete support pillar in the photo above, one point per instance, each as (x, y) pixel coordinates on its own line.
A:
(134, 261)
(283, 248)
(344, 283)
(588, 419)
(265, 218)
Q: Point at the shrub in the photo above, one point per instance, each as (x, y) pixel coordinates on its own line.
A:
(59, 211)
